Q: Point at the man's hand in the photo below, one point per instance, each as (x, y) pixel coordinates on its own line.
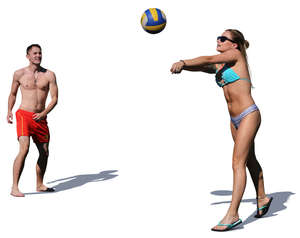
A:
(177, 67)
(9, 117)
(38, 116)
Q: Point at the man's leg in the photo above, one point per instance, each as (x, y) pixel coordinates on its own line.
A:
(41, 166)
(18, 166)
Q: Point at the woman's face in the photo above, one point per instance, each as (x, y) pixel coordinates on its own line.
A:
(226, 45)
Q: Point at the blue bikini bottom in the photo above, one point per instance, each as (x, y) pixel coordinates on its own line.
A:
(237, 120)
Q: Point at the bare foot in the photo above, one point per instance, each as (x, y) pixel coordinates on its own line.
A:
(40, 188)
(43, 188)
(16, 193)
(226, 220)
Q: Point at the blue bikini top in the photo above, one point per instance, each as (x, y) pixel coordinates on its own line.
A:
(226, 75)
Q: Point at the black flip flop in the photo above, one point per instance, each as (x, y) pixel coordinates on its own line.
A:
(48, 190)
(264, 209)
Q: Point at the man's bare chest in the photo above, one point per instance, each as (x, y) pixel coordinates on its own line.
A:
(34, 82)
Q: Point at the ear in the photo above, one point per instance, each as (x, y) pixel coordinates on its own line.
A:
(27, 56)
(235, 45)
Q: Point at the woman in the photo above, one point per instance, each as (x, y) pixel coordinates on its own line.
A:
(232, 75)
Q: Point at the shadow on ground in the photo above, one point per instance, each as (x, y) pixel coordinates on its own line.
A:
(79, 180)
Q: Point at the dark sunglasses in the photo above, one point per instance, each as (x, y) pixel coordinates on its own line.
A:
(224, 38)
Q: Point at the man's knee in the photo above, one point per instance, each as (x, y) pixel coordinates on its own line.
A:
(24, 143)
(43, 150)
(44, 153)
(24, 148)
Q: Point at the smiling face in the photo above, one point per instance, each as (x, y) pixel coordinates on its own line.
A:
(34, 55)
(227, 44)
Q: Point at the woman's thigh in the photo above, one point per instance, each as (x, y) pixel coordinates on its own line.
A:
(233, 131)
(244, 136)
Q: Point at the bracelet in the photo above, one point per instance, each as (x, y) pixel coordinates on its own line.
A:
(183, 62)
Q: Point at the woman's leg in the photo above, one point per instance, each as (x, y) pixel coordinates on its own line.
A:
(257, 178)
(255, 171)
(243, 138)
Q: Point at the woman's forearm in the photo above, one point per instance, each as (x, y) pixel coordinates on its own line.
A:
(199, 61)
(193, 68)
(208, 68)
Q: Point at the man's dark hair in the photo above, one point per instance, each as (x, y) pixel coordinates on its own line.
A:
(32, 45)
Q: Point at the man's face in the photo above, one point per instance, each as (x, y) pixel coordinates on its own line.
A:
(34, 55)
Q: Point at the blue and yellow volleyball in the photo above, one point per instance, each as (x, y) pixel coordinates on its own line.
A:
(153, 20)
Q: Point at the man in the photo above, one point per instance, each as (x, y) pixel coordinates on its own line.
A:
(35, 82)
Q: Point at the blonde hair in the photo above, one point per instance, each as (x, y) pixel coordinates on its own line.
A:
(239, 38)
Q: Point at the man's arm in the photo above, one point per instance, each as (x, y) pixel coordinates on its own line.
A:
(13, 95)
(54, 98)
(53, 92)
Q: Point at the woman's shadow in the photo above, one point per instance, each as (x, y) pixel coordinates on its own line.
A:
(277, 205)
(79, 180)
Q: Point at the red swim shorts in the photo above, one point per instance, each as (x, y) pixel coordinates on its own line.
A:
(26, 126)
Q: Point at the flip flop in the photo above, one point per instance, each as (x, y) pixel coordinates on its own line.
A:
(49, 190)
(264, 209)
(229, 226)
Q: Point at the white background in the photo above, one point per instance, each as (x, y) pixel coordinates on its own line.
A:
(166, 135)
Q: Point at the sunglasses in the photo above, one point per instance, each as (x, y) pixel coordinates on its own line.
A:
(224, 38)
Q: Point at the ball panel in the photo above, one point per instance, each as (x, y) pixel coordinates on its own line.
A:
(163, 15)
(154, 14)
(155, 28)
(160, 20)
(144, 20)
(149, 16)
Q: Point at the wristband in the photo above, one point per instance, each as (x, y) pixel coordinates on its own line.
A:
(183, 62)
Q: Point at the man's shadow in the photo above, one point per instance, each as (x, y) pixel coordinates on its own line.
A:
(277, 205)
(79, 180)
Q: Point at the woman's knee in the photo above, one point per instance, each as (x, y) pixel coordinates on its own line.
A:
(238, 163)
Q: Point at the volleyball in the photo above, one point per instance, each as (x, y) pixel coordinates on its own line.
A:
(153, 20)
